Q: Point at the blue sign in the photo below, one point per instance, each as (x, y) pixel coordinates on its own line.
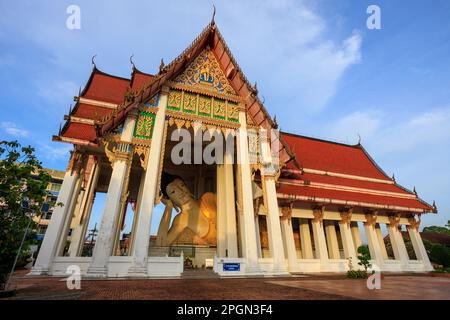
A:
(231, 267)
(39, 237)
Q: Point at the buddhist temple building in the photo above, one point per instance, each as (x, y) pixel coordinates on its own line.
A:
(274, 203)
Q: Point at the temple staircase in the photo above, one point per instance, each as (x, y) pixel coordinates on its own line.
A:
(199, 273)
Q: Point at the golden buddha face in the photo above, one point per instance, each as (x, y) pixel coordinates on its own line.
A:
(178, 192)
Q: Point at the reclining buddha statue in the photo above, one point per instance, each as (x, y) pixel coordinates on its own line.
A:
(195, 223)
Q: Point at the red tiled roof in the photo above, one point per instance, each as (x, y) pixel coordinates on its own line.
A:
(80, 131)
(88, 111)
(334, 157)
(139, 79)
(365, 181)
(316, 194)
(352, 183)
(105, 87)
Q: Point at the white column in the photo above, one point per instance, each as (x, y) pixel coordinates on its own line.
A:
(136, 212)
(397, 243)
(356, 235)
(258, 236)
(289, 243)
(381, 241)
(305, 239)
(78, 232)
(231, 231)
(273, 225)
(347, 239)
(419, 248)
(55, 228)
(142, 239)
(372, 239)
(107, 231)
(332, 241)
(248, 226)
(221, 211)
(320, 242)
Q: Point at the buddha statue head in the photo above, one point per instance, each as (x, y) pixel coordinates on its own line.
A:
(174, 188)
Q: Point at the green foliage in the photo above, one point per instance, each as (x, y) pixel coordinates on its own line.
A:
(440, 254)
(364, 257)
(21, 177)
(437, 229)
(357, 274)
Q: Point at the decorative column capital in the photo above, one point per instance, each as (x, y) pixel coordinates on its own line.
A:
(165, 89)
(286, 212)
(346, 215)
(394, 220)
(413, 223)
(133, 114)
(318, 213)
(76, 161)
(118, 150)
(371, 218)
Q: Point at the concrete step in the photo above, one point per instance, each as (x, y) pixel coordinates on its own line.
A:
(199, 274)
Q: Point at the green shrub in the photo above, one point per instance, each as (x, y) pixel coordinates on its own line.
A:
(357, 274)
(440, 254)
(364, 257)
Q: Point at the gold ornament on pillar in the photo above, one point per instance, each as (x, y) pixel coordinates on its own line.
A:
(346, 215)
(286, 212)
(118, 150)
(371, 218)
(413, 223)
(394, 220)
(76, 161)
(318, 213)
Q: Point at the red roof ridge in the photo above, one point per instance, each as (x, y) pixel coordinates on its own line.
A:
(321, 139)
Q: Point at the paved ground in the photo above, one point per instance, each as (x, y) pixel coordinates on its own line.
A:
(392, 288)
(302, 288)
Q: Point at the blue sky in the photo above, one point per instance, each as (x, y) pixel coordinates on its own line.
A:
(318, 67)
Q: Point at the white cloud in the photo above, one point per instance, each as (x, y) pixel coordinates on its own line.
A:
(366, 124)
(392, 134)
(61, 91)
(12, 129)
(424, 130)
(286, 45)
(55, 151)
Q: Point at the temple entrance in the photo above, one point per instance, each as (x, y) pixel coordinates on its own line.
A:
(189, 201)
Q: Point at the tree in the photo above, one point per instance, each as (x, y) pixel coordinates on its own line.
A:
(437, 229)
(21, 177)
(364, 257)
(440, 254)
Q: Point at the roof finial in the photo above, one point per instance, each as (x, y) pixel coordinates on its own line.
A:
(161, 65)
(93, 61)
(255, 88)
(132, 62)
(393, 177)
(213, 15)
(434, 205)
(359, 139)
(415, 191)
